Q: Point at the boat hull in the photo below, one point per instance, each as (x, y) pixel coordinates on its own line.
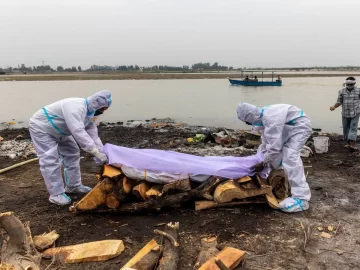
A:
(254, 83)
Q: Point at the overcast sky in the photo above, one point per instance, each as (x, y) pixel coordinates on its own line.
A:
(239, 33)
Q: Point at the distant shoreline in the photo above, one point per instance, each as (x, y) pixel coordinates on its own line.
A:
(154, 76)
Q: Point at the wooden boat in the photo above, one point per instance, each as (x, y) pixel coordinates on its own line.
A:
(254, 83)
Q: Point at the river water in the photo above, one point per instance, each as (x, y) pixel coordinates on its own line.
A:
(207, 102)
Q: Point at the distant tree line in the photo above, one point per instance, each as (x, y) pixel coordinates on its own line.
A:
(134, 68)
(197, 67)
(43, 69)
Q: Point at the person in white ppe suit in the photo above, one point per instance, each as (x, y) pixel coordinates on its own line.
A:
(56, 131)
(285, 130)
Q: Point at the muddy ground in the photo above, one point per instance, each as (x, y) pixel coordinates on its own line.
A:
(272, 239)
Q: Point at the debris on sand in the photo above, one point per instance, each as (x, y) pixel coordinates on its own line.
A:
(16, 149)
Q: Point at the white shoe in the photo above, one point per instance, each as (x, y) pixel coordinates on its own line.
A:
(77, 189)
(61, 199)
(291, 205)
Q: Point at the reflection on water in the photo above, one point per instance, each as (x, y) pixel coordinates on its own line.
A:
(202, 102)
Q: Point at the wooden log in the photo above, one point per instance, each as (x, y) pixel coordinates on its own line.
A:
(146, 258)
(157, 204)
(112, 201)
(229, 191)
(95, 198)
(182, 185)
(154, 192)
(230, 257)
(110, 171)
(140, 190)
(244, 179)
(18, 251)
(160, 202)
(271, 200)
(123, 186)
(207, 251)
(170, 257)
(45, 240)
(202, 205)
(279, 181)
(128, 184)
(87, 252)
(149, 260)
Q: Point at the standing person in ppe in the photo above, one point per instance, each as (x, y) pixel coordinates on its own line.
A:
(56, 130)
(349, 98)
(285, 130)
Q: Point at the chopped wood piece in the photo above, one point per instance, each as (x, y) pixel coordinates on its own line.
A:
(112, 201)
(271, 200)
(110, 171)
(208, 196)
(207, 251)
(123, 186)
(95, 198)
(279, 181)
(202, 205)
(87, 252)
(229, 191)
(128, 184)
(231, 257)
(140, 190)
(18, 251)
(170, 258)
(182, 185)
(146, 258)
(155, 191)
(45, 240)
(209, 241)
(244, 179)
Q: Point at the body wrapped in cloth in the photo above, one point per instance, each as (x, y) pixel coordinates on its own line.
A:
(159, 166)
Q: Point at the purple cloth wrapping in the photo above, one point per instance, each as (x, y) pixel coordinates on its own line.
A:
(175, 162)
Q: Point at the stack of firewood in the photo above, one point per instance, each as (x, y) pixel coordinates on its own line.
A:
(121, 194)
(164, 253)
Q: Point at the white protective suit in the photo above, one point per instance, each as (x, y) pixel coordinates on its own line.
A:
(285, 130)
(57, 129)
